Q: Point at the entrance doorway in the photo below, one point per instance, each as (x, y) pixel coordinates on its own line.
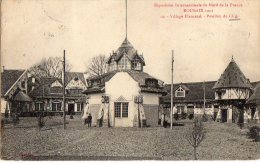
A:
(224, 115)
(71, 109)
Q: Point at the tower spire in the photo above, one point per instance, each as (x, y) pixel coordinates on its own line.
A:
(126, 18)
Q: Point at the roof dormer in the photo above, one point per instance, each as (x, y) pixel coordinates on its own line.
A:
(181, 91)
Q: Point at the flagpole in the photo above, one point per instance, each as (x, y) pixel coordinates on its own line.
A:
(204, 97)
(172, 89)
(63, 82)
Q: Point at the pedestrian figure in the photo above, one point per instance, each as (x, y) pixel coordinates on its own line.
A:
(89, 120)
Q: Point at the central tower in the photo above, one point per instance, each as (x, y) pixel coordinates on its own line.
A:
(126, 56)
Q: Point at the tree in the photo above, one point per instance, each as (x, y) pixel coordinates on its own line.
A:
(196, 135)
(50, 67)
(97, 66)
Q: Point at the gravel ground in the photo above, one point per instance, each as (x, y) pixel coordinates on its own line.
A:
(77, 142)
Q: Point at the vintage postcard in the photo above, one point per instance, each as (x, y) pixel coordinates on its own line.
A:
(130, 80)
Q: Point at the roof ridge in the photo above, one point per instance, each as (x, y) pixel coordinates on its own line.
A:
(180, 83)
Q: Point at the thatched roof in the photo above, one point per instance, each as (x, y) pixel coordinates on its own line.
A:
(8, 78)
(232, 77)
(127, 49)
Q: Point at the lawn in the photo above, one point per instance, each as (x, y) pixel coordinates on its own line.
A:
(77, 142)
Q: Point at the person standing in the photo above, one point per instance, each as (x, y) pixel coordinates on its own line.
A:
(89, 120)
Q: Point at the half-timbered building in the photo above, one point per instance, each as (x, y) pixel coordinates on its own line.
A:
(48, 94)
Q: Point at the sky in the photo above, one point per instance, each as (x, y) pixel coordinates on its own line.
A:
(33, 29)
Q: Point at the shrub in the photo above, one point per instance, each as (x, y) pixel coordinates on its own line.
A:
(191, 116)
(176, 116)
(196, 135)
(204, 118)
(183, 115)
(15, 119)
(41, 122)
(254, 133)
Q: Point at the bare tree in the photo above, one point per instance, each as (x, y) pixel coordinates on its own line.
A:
(97, 66)
(50, 67)
(196, 135)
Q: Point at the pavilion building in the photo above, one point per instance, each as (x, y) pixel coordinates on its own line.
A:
(232, 90)
(125, 96)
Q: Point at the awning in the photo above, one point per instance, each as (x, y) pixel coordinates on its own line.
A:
(22, 97)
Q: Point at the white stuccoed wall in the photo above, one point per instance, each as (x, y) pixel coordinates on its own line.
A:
(151, 98)
(95, 98)
(3, 105)
(122, 84)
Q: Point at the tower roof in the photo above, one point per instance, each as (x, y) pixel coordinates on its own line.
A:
(232, 77)
(127, 49)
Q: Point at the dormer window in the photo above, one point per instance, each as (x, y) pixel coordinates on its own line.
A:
(136, 65)
(112, 65)
(180, 92)
(56, 87)
(56, 84)
(151, 83)
(95, 83)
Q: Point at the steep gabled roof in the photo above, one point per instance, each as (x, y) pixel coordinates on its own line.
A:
(195, 92)
(8, 78)
(127, 49)
(71, 75)
(232, 77)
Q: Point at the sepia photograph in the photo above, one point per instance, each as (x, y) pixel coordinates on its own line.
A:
(130, 80)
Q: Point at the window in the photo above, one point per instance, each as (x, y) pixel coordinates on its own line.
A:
(124, 109)
(75, 91)
(56, 106)
(180, 109)
(95, 83)
(123, 63)
(39, 106)
(152, 83)
(180, 92)
(190, 106)
(79, 107)
(121, 109)
(136, 65)
(23, 84)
